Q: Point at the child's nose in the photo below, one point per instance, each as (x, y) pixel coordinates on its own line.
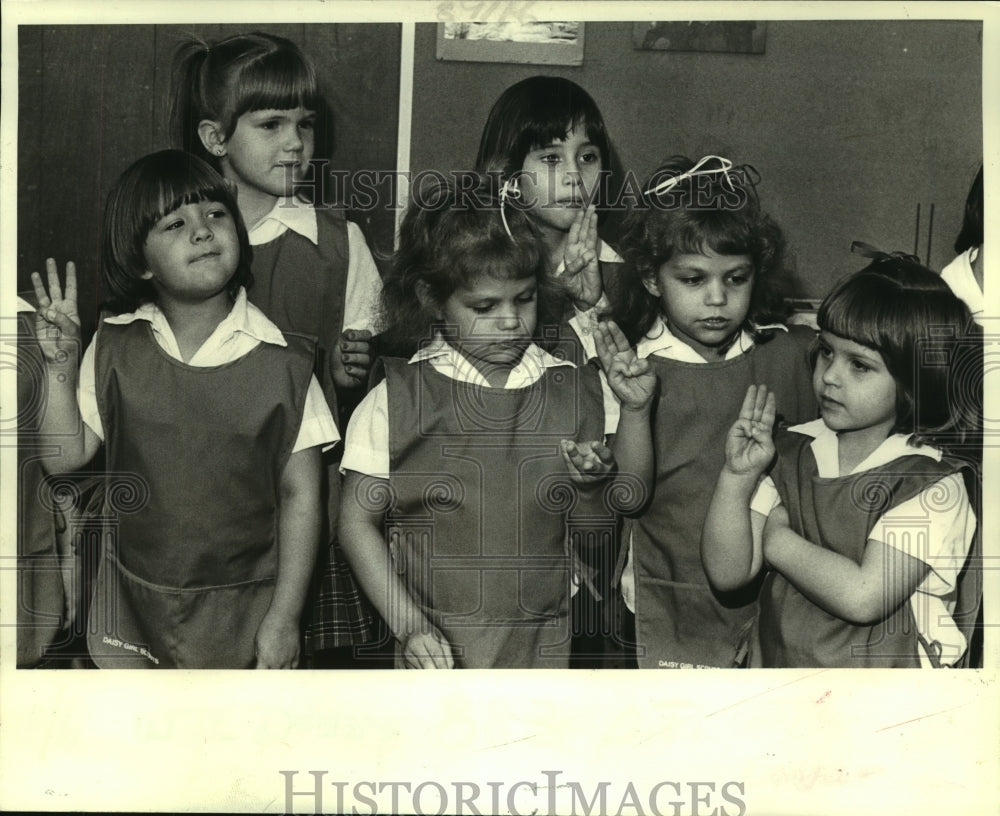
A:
(571, 174)
(201, 231)
(831, 374)
(294, 141)
(715, 293)
(509, 322)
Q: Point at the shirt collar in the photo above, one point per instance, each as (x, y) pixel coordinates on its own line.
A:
(662, 342)
(446, 356)
(825, 449)
(244, 317)
(288, 213)
(605, 254)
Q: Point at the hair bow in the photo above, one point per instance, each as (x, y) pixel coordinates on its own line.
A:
(724, 166)
(511, 191)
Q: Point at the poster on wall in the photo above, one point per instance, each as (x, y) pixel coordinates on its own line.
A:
(535, 43)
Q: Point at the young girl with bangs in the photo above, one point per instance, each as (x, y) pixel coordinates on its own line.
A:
(698, 300)
(216, 413)
(546, 146)
(248, 105)
(863, 524)
(458, 512)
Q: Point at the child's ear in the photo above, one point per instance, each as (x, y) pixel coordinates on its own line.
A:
(649, 281)
(212, 136)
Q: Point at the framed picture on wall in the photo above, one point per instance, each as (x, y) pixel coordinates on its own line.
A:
(733, 36)
(555, 43)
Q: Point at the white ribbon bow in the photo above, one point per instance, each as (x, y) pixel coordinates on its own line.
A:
(513, 192)
(725, 165)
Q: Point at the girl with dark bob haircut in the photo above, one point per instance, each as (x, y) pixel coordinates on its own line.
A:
(146, 192)
(210, 409)
(859, 522)
(897, 307)
(537, 111)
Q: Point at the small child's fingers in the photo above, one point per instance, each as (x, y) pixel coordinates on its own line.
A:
(742, 428)
(639, 367)
(571, 454)
(606, 345)
(769, 412)
(428, 651)
(55, 289)
(617, 336)
(357, 335)
(749, 401)
(601, 339)
(760, 401)
(40, 294)
(355, 347)
(592, 455)
(578, 458)
(441, 654)
(602, 452)
(70, 281)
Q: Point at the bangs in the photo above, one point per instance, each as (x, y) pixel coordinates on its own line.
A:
(147, 190)
(165, 186)
(856, 313)
(279, 81)
(498, 257)
(535, 113)
(554, 107)
(553, 125)
(721, 231)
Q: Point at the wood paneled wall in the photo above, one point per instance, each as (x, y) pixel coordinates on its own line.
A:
(93, 99)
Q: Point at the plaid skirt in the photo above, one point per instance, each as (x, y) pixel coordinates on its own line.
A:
(339, 614)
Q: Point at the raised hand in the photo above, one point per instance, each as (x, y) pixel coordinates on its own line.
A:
(631, 379)
(587, 462)
(749, 444)
(57, 322)
(581, 272)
